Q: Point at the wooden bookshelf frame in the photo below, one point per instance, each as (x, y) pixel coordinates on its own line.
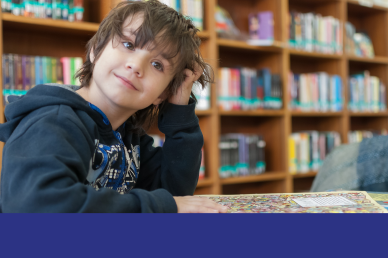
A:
(275, 125)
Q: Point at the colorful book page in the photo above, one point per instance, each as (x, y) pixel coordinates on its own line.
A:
(284, 203)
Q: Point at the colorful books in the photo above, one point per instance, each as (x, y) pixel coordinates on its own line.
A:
(202, 95)
(241, 155)
(312, 32)
(21, 73)
(71, 10)
(357, 43)
(315, 92)
(366, 93)
(308, 149)
(249, 89)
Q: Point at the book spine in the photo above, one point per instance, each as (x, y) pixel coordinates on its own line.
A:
(72, 70)
(59, 71)
(32, 71)
(53, 68)
(48, 8)
(18, 73)
(27, 73)
(6, 74)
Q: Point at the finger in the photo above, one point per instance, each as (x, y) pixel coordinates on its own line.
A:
(189, 75)
(198, 71)
(213, 205)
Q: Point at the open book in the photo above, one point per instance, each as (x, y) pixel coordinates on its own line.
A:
(319, 202)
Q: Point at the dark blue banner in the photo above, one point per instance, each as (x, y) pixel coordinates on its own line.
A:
(193, 235)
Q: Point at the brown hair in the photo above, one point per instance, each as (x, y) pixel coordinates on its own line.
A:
(175, 34)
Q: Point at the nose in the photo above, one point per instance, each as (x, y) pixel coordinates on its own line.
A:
(136, 63)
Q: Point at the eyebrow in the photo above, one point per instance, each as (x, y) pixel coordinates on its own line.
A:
(128, 32)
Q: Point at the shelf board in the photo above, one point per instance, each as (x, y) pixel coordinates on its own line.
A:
(375, 60)
(203, 112)
(39, 24)
(242, 45)
(252, 112)
(304, 175)
(205, 182)
(267, 176)
(383, 113)
(296, 52)
(204, 34)
(314, 113)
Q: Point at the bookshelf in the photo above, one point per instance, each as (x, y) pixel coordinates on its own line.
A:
(30, 36)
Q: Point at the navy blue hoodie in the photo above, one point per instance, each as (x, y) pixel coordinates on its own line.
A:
(61, 155)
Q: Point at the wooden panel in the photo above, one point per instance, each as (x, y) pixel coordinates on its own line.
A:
(368, 123)
(324, 7)
(308, 64)
(272, 128)
(42, 44)
(277, 186)
(316, 123)
(303, 184)
(230, 58)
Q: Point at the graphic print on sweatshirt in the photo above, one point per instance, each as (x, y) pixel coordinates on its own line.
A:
(114, 167)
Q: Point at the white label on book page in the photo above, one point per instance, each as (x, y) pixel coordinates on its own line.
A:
(324, 201)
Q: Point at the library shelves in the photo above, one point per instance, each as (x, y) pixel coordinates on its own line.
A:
(251, 113)
(296, 52)
(267, 176)
(304, 175)
(315, 114)
(241, 45)
(19, 34)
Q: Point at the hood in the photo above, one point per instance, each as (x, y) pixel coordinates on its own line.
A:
(40, 96)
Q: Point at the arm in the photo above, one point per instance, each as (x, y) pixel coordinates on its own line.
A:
(45, 164)
(175, 166)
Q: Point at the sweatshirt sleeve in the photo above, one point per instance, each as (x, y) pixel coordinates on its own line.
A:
(175, 166)
(45, 165)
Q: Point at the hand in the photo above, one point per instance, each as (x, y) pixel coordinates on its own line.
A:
(183, 93)
(196, 204)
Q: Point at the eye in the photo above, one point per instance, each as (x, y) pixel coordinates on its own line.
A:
(158, 66)
(129, 45)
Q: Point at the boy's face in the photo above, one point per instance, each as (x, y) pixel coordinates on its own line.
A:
(128, 78)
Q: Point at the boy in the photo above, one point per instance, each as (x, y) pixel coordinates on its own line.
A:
(83, 149)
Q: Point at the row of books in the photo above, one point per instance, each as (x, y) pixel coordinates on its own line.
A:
(159, 141)
(315, 92)
(366, 93)
(357, 43)
(308, 149)
(312, 32)
(21, 73)
(241, 155)
(248, 89)
(261, 28)
(358, 136)
(202, 95)
(191, 8)
(71, 10)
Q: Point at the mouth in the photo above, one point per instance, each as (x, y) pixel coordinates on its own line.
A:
(126, 82)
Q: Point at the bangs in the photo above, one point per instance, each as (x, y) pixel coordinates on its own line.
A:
(162, 33)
